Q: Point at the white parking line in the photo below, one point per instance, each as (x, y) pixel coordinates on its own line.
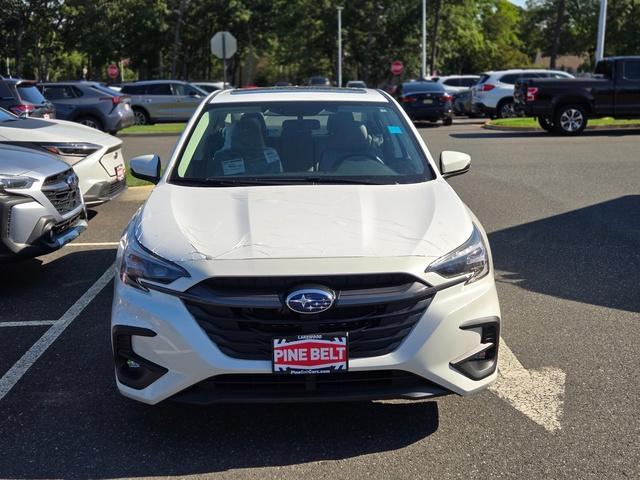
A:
(94, 244)
(27, 323)
(16, 372)
(539, 394)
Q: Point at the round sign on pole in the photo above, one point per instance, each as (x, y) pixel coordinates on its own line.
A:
(113, 70)
(397, 67)
(223, 45)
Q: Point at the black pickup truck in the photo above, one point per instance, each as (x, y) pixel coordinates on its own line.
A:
(564, 106)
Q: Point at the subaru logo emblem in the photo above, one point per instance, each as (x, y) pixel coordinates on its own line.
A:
(72, 180)
(310, 300)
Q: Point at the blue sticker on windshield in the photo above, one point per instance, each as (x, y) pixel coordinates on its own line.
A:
(394, 129)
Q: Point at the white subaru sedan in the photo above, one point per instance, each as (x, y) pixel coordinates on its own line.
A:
(303, 245)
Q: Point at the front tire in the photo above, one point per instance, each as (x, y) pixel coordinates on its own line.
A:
(546, 123)
(570, 120)
(447, 121)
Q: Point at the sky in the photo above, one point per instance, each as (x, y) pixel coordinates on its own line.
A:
(519, 2)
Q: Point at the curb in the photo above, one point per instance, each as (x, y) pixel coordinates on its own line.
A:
(150, 134)
(504, 128)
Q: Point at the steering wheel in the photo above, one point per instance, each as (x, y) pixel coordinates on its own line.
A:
(369, 156)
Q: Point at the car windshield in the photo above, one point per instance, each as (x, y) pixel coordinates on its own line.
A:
(300, 142)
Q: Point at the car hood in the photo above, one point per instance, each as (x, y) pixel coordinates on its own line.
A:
(23, 161)
(39, 130)
(324, 221)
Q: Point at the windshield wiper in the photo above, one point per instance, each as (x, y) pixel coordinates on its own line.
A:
(253, 181)
(335, 180)
(242, 182)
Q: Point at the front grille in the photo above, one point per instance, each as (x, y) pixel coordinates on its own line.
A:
(243, 315)
(366, 385)
(292, 384)
(115, 188)
(62, 191)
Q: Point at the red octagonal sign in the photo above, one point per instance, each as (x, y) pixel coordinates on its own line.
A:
(113, 70)
(397, 67)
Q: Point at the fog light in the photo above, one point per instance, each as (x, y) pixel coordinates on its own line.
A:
(132, 364)
(482, 363)
(131, 369)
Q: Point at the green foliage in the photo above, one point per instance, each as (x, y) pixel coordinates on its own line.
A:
(294, 39)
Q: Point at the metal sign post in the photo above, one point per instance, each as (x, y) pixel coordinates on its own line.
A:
(224, 46)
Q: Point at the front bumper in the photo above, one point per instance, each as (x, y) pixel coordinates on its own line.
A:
(188, 363)
(28, 229)
(105, 191)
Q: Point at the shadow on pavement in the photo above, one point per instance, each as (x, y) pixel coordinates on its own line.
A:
(590, 255)
(484, 133)
(65, 419)
(36, 290)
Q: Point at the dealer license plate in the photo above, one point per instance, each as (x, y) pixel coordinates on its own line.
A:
(304, 354)
(120, 173)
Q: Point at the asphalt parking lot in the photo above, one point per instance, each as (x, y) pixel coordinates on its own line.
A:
(563, 217)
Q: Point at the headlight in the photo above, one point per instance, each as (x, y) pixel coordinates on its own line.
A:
(71, 149)
(15, 181)
(138, 264)
(471, 259)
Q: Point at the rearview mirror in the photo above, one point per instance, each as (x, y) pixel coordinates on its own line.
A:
(454, 163)
(146, 167)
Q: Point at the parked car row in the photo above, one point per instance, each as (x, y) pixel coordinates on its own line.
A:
(50, 170)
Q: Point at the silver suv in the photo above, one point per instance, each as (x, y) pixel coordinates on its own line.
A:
(493, 94)
(158, 101)
(41, 206)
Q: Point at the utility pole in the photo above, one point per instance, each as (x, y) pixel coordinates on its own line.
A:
(602, 26)
(424, 39)
(176, 42)
(340, 46)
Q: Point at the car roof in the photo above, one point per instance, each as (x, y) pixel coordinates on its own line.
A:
(71, 82)
(422, 85)
(623, 57)
(298, 94)
(523, 70)
(153, 82)
(446, 77)
(17, 81)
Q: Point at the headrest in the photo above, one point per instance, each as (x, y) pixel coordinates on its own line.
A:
(246, 134)
(350, 135)
(334, 121)
(290, 127)
(259, 118)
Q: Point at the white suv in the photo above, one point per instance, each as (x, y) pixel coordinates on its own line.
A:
(303, 245)
(493, 94)
(457, 83)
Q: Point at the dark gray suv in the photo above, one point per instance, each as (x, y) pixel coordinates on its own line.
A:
(158, 101)
(91, 104)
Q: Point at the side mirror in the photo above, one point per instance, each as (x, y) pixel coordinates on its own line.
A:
(454, 163)
(193, 93)
(146, 167)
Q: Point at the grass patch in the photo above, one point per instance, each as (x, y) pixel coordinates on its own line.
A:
(135, 182)
(155, 129)
(529, 122)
